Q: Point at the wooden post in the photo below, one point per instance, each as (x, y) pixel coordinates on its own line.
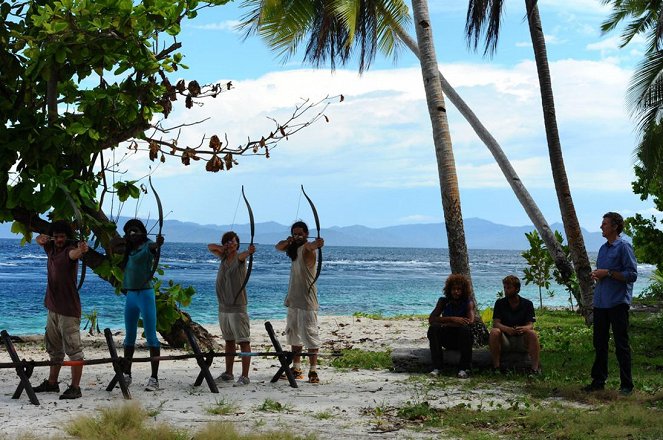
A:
(202, 363)
(117, 366)
(24, 372)
(284, 358)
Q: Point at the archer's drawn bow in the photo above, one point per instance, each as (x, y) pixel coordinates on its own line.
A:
(317, 226)
(253, 229)
(79, 222)
(155, 265)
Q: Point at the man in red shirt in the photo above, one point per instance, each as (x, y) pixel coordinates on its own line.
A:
(64, 306)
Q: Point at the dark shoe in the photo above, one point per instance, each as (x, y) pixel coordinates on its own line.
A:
(626, 391)
(313, 377)
(594, 386)
(71, 393)
(533, 372)
(47, 387)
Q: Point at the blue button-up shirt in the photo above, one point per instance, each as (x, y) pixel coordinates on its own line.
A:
(617, 257)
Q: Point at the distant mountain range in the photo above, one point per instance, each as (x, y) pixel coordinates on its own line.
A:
(480, 234)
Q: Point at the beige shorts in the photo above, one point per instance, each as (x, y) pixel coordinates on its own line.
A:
(63, 335)
(301, 328)
(235, 326)
(514, 344)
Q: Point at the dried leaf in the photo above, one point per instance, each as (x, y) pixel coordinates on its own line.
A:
(326, 118)
(262, 142)
(181, 86)
(214, 165)
(228, 159)
(194, 88)
(229, 85)
(189, 102)
(163, 158)
(154, 150)
(215, 143)
(342, 98)
(282, 131)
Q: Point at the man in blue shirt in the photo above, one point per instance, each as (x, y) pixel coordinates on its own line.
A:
(616, 270)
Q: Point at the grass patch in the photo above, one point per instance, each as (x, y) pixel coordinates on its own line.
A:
(323, 415)
(270, 405)
(380, 316)
(222, 407)
(130, 421)
(628, 420)
(361, 359)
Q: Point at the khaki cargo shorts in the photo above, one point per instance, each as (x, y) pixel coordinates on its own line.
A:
(63, 336)
(301, 328)
(235, 326)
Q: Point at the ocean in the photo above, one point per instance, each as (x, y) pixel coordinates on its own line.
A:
(388, 281)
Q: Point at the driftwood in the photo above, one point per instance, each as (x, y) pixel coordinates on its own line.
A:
(418, 360)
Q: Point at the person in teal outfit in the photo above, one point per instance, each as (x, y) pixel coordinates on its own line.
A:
(141, 298)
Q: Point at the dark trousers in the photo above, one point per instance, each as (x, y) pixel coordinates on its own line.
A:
(617, 317)
(453, 338)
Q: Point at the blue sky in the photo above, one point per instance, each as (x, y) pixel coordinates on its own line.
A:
(374, 163)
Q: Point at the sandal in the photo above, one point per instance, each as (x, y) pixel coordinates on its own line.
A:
(295, 372)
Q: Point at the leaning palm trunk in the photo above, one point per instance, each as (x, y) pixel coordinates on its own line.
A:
(453, 217)
(530, 206)
(567, 209)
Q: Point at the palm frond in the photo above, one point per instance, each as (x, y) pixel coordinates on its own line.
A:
(483, 19)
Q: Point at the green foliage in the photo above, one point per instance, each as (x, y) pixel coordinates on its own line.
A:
(368, 315)
(367, 360)
(647, 239)
(169, 301)
(222, 407)
(540, 264)
(420, 411)
(93, 321)
(270, 405)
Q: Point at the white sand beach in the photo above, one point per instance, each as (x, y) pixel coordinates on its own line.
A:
(342, 406)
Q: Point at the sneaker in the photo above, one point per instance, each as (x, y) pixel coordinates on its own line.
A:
(313, 377)
(47, 387)
(594, 386)
(626, 391)
(435, 372)
(463, 374)
(152, 384)
(127, 379)
(225, 377)
(243, 380)
(299, 374)
(71, 393)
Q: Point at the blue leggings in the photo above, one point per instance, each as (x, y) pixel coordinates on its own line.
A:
(141, 303)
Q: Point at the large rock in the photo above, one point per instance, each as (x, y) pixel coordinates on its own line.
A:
(417, 360)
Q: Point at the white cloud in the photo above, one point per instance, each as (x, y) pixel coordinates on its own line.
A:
(227, 25)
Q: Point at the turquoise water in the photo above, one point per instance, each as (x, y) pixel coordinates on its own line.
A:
(390, 281)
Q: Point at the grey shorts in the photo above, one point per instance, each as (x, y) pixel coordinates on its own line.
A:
(235, 326)
(63, 336)
(301, 328)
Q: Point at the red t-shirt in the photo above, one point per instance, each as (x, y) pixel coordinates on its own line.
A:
(61, 292)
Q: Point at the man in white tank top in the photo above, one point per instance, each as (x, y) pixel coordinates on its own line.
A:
(302, 300)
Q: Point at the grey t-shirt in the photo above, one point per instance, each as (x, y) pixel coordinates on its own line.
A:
(229, 279)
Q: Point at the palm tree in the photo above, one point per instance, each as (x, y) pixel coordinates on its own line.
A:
(334, 27)
(446, 165)
(645, 94)
(486, 14)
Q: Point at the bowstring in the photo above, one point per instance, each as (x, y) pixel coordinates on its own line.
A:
(232, 227)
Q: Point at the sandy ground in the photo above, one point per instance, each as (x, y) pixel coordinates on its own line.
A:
(344, 405)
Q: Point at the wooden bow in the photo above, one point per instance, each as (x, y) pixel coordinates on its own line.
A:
(317, 226)
(253, 229)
